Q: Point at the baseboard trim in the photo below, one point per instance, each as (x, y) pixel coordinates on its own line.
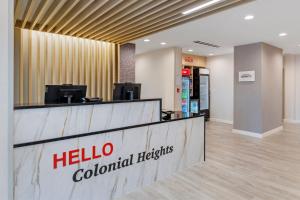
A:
(258, 135)
(291, 121)
(275, 130)
(247, 133)
(221, 121)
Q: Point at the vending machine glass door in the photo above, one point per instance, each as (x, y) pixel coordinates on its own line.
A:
(185, 94)
(204, 92)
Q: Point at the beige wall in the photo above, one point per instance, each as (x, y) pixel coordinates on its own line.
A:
(292, 88)
(156, 71)
(272, 87)
(178, 79)
(45, 58)
(221, 69)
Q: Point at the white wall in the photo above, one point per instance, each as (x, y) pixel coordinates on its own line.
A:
(221, 86)
(6, 96)
(292, 88)
(156, 72)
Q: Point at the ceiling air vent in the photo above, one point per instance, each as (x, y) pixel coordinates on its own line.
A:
(206, 44)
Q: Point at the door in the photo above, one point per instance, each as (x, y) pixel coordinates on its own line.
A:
(204, 94)
(185, 94)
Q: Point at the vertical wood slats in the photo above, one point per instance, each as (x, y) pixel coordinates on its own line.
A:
(84, 15)
(118, 18)
(112, 13)
(17, 9)
(134, 17)
(53, 10)
(64, 11)
(167, 23)
(153, 18)
(40, 12)
(47, 58)
(150, 10)
(103, 11)
(77, 10)
(117, 21)
(27, 12)
(163, 20)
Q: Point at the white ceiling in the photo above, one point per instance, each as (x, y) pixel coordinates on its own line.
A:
(228, 29)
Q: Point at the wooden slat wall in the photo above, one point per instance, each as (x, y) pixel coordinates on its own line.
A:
(46, 58)
(117, 21)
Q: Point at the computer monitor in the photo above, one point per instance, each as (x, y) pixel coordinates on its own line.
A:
(57, 94)
(126, 91)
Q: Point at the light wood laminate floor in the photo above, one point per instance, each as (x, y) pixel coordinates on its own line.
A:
(237, 168)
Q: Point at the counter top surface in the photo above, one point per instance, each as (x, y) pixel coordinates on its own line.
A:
(42, 105)
(182, 115)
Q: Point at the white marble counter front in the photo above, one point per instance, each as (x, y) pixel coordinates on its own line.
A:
(106, 165)
(33, 124)
(100, 151)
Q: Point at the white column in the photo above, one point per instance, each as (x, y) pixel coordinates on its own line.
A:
(6, 99)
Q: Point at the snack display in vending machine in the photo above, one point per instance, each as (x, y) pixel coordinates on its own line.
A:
(185, 96)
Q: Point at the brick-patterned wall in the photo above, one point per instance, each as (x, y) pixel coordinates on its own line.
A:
(127, 63)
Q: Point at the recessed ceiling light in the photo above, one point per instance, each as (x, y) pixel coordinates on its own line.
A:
(147, 40)
(282, 34)
(190, 50)
(211, 54)
(249, 17)
(163, 43)
(209, 3)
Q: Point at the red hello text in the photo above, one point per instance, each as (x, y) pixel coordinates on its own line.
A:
(76, 156)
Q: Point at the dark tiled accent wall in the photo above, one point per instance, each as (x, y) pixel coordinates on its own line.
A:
(127, 63)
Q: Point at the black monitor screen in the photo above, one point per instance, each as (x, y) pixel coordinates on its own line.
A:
(126, 91)
(55, 94)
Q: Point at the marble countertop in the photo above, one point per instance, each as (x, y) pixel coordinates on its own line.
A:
(42, 105)
(178, 115)
(184, 115)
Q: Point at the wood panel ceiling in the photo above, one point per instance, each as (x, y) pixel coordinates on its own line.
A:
(116, 21)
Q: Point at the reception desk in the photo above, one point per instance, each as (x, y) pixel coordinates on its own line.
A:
(100, 151)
